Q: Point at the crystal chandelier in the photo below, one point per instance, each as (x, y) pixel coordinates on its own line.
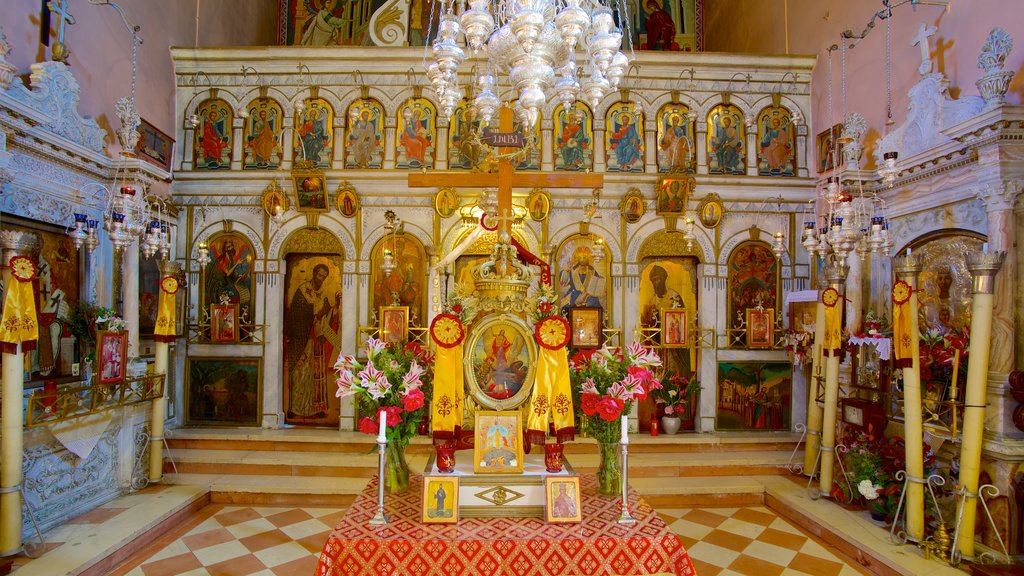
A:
(530, 41)
(853, 223)
(391, 225)
(778, 241)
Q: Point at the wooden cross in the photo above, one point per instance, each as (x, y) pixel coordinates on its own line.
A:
(506, 179)
(62, 10)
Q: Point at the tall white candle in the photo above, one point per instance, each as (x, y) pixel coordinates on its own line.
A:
(382, 435)
(625, 429)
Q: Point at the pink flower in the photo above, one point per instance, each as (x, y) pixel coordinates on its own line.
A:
(345, 363)
(670, 409)
(588, 403)
(642, 374)
(393, 415)
(413, 400)
(609, 408)
(367, 425)
(344, 383)
(374, 381)
(619, 390)
(411, 380)
(634, 387)
(588, 386)
(373, 347)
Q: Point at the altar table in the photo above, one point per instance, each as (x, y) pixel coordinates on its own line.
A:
(501, 546)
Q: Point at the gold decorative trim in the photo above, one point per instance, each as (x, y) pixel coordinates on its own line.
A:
(499, 495)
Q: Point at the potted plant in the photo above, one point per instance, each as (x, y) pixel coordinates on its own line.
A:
(673, 397)
(83, 322)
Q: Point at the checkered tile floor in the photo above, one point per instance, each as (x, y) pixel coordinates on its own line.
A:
(266, 541)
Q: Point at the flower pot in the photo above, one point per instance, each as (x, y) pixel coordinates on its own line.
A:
(396, 470)
(609, 474)
(670, 424)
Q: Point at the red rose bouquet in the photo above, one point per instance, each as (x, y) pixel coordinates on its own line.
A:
(394, 384)
(607, 381)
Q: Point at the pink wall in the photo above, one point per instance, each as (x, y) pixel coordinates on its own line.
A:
(101, 47)
(759, 27)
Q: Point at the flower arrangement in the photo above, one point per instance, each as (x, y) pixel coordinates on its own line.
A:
(394, 384)
(607, 381)
(674, 392)
(871, 468)
(937, 350)
(800, 343)
(85, 319)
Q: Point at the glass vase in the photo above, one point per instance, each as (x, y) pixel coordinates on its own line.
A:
(396, 469)
(609, 473)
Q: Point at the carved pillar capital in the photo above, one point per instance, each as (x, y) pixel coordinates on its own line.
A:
(16, 243)
(999, 195)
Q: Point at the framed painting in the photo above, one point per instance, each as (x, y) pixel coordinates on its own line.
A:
(223, 323)
(416, 135)
(633, 207)
(532, 138)
(624, 138)
(346, 200)
(727, 150)
(801, 316)
(498, 446)
(154, 146)
(753, 281)
(776, 137)
(303, 22)
(538, 204)
(711, 210)
(582, 281)
(440, 500)
(310, 191)
(149, 295)
(394, 324)
(674, 328)
(314, 141)
(213, 144)
(945, 297)
(264, 126)
(112, 349)
(573, 138)
(228, 278)
(829, 148)
(673, 193)
(760, 324)
(406, 284)
(312, 338)
(499, 362)
(223, 391)
(586, 327)
(562, 499)
(364, 147)
(446, 202)
(669, 25)
(465, 151)
(754, 396)
(675, 139)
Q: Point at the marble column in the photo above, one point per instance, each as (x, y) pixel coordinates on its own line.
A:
(700, 144)
(999, 198)
(600, 162)
(287, 149)
(547, 155)
(389, 143)
(236, 146)
(836, 276)
(13, 418)
(441, 145)
(855, 291)
(803, 160)
(651, 144)
(907, 268)
(130, 295)
(751, 147)
(186, 149)
(339, 143)
(984, 267)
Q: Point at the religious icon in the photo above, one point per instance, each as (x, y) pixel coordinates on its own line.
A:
(581, 280)
(531, 142)
(562, 499)
(416, 134)
(776, 136)
(345, 199)
(394, 324)
(312, 338)
(753, 280)
(464, 149)
(754, 395)
(440, 500)
(223, 322)
(585, 323)
(675, 139)
(403, 286)
(321, 23)
(213, 136)
(223, 391)
(314, 141)
(498, 443)
(710, 210)
(446, 202)
(364, 148)
(673, 328)
(624, 147)
(310, 191)
(263, 128)
(673, 193)
(154, 145)
(726, 137)
(538, 204)
(228, 279)
(574, 138)
(633, 206)
(760, 327)
(829, 148)
(112, 349)
(500, 362)
(945, 295)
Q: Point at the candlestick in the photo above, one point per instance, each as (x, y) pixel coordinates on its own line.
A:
(382, 433)
(956, 369)
(625, 517)
(625, 429)
(380, 517)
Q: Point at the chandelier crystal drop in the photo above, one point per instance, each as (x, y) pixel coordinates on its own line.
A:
(526, 41)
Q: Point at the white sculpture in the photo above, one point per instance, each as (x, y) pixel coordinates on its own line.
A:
(128, 134)
(854, 128)
(7, 69)
(994, 83)
(923, 33)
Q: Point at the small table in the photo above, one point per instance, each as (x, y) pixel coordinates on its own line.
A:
(488, 546)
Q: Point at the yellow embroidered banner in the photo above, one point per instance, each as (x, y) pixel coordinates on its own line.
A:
(833, 323)
(165, 316)
(19, 322)
(446, 409)
(901, 336)
(552, 391)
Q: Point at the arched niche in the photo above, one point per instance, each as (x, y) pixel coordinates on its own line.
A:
(580, 280)
(754, 280)
(406, 285)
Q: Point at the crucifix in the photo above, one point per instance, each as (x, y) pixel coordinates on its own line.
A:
(60, 50)
(506, 178)
(923, 33)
